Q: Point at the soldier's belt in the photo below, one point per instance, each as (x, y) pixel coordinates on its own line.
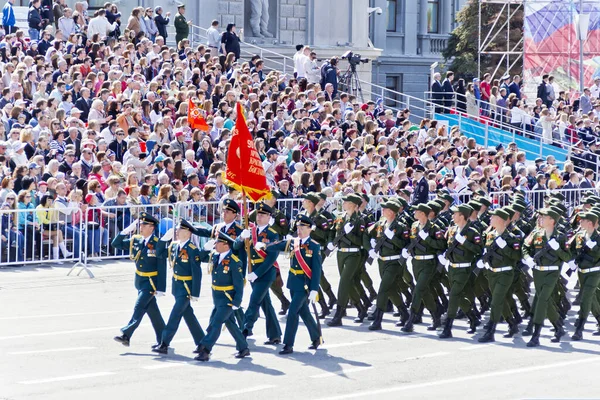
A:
(222, 288)
(501, 269)
(147, 274)
(426, 257)
(588, 270)
(460, 265)
(257, 261)
(547, 268)
(349, 249)
(390, 258)
(181, 278)
(296, 271)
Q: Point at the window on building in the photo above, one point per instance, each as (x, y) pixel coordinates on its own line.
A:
(392, 7)
(394, 84)
(433, 16)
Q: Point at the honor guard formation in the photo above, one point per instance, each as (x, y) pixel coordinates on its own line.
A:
(465, 262)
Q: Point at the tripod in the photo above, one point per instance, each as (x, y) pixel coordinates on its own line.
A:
(350, 83)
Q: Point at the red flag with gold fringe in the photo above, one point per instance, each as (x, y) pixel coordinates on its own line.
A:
(245, 171)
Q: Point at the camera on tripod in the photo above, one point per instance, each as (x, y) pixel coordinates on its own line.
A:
(354, 59)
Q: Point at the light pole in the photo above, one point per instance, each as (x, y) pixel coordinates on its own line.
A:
(582, 22)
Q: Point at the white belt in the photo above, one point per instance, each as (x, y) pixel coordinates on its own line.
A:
(460, 265)
(349, 250)
(547, 268)
(390, 258)
(501, 269)
(587, 270)
(428, 257)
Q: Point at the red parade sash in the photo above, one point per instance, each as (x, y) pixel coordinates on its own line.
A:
(261, 252)
(301, 261)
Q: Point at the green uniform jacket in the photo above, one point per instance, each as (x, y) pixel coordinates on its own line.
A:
(432, 244)
(390, 247)
(536, 242)
(584, 256)
(186, 262)
(149, 259)
(227, 275)
(311, 253)
(355, 237)
(466, 252)
(497, 257)
(182, 29)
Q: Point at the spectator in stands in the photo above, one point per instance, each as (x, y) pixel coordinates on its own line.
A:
(437, 92)
(8, 17)
(34, 20)
(230, 42)
(213, 38)
(100, 25)
(329, 74)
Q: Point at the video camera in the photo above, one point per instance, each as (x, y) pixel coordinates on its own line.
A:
(354, 59)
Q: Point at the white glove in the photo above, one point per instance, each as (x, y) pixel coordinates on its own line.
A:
(590, 243)
(553, 244)
(234, 307)
(130, 228)
(372, 254)
(260, 246)
(312, 296)
(389, 233)
(460, 238)
(442, 259)
(159, 294)
(373, 243)
(330, 246)
(480, 264)
(529, 262)
(405, 254)
(348, 228)
(501, 242)
(245, 234)
(423, 235)
(251, 277)
(210, 245)
(288, 237)
(271, 221)
(168, 235)
(194, 299)
(572, 265)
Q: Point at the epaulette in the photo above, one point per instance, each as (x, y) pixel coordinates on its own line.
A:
(315, 242)
(235, 258)
(137, 237)
(193, 246)
(155, 239)
(272, 230)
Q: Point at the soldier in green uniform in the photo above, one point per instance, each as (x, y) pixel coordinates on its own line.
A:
(388, 238)
(545, 251)
(264, 271)
(325, 285)
(480, 284)
(303, 282)
(150, 257)
(185, 260)
(227, 282)
(425, 243)
(585, 246)
(370, 217)
(405, 282)
(464, 245)
(182, 26)
(349, 240)
(502, 251)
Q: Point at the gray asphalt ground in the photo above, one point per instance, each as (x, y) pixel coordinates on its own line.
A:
(56, 343)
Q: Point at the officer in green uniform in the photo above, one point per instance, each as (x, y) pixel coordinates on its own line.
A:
(502, 251)
(349, 241)
(545, 251)
(182, 26)
(227, 282)
(264, 271)
(585, 246)
(185, 260)
(464, 245)
(425, 243)
(388, 238)
(303, 282)
(150, 257)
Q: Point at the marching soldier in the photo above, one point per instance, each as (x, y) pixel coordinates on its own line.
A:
(227, 282)
(264, 273)
(349, 240)
(370, 217)
(545, 251)
(325, 285)
(150, 257)
(303, 282)
(185, 260)
(502, 251)
(464, 245)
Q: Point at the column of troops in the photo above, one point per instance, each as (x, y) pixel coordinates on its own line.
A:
(466, 259)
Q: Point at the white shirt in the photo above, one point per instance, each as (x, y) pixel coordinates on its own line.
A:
(223, 255)
(214, 37)
(299, 65)
(101, 26)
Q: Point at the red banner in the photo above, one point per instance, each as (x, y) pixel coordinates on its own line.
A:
(195, 118)
(245, 171)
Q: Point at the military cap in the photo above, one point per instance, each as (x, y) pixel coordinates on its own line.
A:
(224, 238)
(596, 212)
(551, 213)
(304, 220)
(435, 206)
(322, 196)
(146, 218)
(510, 211)
(231, 205)
(447, 197)
(557, 209)
(365, 197)
(418, 168)
(312, 197)
(391, 205)
(499, 212)
(180, 5)
(588, 200)
(462, 208)
(422, 207)
(475, 205)
(484, 201)
(405, 192)
(590, 216)
(518, 207)
(480, 192)
(184, 224)
(263, 208)
(353, 198)
(401, 201)
(558, 195)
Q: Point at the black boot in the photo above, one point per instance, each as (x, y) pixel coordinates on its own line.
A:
(577, 301)
(436, 323)
(404, 315)
(513, 327)
(315, 344)
(284, 307)
(460, 314)
(488, 336)
(535, 337)
(474, 322)
(324, 308)
(162, 349)
(123, 339)
(390, 306)
(376, 324)
(332, 299)
(559, 332)
(203, 355)
(517, 316)
(409, 326)
(529, 330)
(337, 318)
(286, 350)
(362, 313)
(243, 353)
(447, 332)
(579, 324)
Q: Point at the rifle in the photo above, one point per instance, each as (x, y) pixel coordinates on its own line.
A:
(336, 241)
(416, 242)
(380, 243)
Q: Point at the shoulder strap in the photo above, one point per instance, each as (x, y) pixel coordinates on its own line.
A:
(301, 261)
